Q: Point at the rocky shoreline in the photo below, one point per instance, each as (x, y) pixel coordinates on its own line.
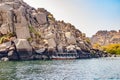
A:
(37, 35)
(12, 53)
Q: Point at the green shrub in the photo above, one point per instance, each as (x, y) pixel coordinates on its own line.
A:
(6, 37)
(87, 40)
(50, 16)
(32, 30)
(112, 49)
(30, 39)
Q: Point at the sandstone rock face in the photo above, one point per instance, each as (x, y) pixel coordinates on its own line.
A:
(106, 37)
(38, 29)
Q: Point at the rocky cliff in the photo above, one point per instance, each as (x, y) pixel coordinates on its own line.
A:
(35, 30)
(103, 38)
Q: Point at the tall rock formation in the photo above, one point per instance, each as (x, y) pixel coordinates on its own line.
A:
(39, 28)
(106, 37)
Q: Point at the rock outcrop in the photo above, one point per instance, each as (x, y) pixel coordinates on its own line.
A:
(103, 38)
(36, 31)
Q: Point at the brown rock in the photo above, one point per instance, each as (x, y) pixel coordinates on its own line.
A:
(70, 39)
(51, 43)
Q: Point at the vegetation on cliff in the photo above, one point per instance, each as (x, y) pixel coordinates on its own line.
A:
(112, 49)
(38, 32)
(6, 37)
(108, 41)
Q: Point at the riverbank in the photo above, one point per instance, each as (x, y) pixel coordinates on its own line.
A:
(22, 55)
(15, 50)
(36, 34)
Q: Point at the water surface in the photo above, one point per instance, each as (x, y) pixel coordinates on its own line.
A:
(85, 69)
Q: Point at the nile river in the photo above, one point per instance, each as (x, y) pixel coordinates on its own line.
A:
(84, 69)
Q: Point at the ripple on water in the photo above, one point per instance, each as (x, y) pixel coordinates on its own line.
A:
(88, 69)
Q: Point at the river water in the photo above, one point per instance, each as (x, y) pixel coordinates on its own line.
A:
(84, 69)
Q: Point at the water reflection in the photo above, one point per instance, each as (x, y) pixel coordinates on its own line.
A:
(88, 69)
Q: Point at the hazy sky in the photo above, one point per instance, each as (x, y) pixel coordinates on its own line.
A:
(88, 16)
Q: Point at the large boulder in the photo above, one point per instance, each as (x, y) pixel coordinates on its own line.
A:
(41, 18)
(24, 49)
(3, 50)
(70, 38)
(4, 59)
(71, 48)
(4, 46)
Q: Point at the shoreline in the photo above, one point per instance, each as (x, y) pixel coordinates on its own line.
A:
(23, 56)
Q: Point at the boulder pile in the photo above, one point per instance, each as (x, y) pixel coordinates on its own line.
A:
(36, 34)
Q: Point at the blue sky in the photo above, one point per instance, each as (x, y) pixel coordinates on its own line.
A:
(88, 16)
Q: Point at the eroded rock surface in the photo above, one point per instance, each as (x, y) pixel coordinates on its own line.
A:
(37, 29)
(106, 37)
